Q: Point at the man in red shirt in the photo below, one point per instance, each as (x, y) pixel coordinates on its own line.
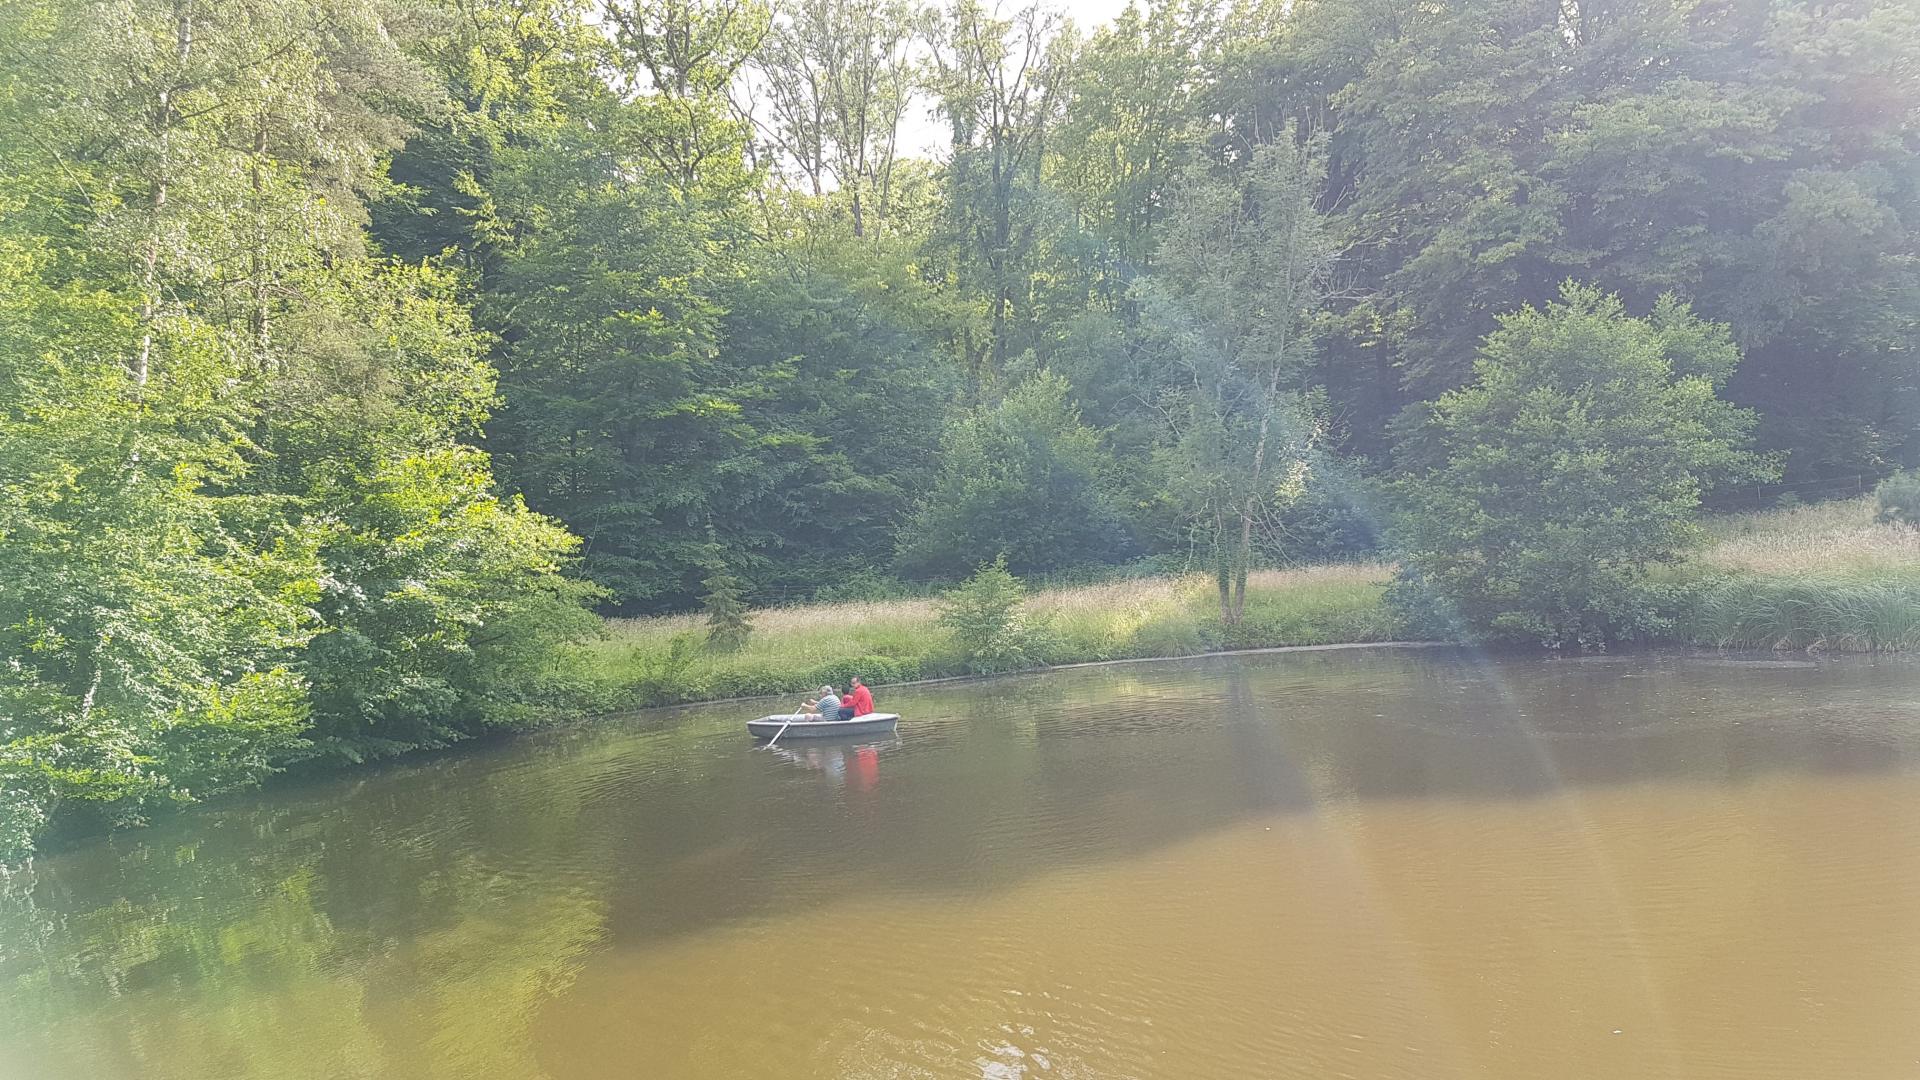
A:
(861, 698)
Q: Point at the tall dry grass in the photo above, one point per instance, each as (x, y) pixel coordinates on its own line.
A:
(1825, 577)
(1821, 577)
(1824, 538)
(659, 660)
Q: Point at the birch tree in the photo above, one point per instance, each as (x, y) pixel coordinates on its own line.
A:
(1245, 264)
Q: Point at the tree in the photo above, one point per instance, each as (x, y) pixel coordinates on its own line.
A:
(219, 402)
(1745, 156)
(1538, 497)
(150, 626)
(1001, 87)
(678, 59)
(1130, 115)
(1245, 264)
(838, 78)
(852, 395)
(729, 624)
(988, 626)
(1021, 481)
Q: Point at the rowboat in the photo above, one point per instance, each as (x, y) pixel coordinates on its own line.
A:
(808, 726)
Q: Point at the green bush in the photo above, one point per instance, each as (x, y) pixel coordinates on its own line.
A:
(1539, 497)
(1899, 498)
(1022, 480)
(988, 626)
(661, 678)
(872, 670)
(754, 681)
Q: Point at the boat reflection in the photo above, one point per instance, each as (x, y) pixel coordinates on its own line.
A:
(855, 765)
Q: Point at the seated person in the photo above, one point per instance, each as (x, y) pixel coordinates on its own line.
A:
(827, 707)
(861, 697)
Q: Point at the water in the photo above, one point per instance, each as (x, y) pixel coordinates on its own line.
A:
(1349, 864)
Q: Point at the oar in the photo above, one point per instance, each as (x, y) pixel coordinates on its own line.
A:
(782, 731)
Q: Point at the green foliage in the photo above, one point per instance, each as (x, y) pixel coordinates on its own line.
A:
(852, 401)
(1246, 258)
(1543, 492)
(1022, 481)
(148, 624)
(1486, 150)
(728, 624)
(1898, 497)
(662, 676)
(441, 600)
(241, 529)
(988, 626)
(1819, 612)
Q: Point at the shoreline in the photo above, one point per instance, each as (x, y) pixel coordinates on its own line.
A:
(1043, 669)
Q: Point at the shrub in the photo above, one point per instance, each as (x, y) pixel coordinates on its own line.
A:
(1899, 498)
(988, 625)
(872, 670)
(663, 677)
(757, 680)
(1023, 479)
(1573, 463)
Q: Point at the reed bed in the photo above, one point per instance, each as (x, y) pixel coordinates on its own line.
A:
(1816, 614)
(1825, 577)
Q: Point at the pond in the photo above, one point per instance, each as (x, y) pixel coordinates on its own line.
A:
(1370, 863)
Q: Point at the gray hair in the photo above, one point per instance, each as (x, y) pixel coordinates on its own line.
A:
(826, 689)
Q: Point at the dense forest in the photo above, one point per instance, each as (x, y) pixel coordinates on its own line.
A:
(355, 353)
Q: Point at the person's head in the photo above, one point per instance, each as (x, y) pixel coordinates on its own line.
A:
(857, 682)
(825, 690)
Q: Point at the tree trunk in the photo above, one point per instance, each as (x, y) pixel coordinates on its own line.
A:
(1222, 569)
(257, 258)
(157, 195)
(1242, 559)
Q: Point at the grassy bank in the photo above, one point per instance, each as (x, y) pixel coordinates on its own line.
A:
(1821, 577)
(661, 661)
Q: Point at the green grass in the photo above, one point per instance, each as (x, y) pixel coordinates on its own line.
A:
(1815, 577)
(1821, 577)
(793, 649)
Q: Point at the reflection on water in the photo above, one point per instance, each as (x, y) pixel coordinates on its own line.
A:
(1369, 864)
(844, 764)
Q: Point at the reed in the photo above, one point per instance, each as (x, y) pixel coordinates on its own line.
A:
(1822, 577)
(1839, 614)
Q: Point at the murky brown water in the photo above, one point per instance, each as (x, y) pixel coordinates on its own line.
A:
(1361, 864)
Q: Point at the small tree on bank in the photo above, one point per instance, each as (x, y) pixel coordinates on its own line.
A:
(1542, 493)
(1898, 497)
(1245, 265)
(728, 623)
(985, 618)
